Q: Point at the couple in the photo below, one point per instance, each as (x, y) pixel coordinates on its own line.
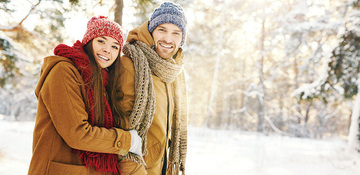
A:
(99, 113)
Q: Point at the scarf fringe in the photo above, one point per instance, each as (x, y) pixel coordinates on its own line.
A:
(136, 158)
(101, 162)
(174, 169)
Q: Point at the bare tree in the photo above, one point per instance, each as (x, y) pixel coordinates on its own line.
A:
(211, 109)
(261, 93)
(141, 5)
(119, 5)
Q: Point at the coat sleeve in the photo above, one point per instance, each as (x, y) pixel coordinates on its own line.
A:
(126, 88)
(64, 100)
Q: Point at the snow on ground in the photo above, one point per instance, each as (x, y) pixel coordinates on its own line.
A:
(15, 147)
(213, 152)
(247, 153)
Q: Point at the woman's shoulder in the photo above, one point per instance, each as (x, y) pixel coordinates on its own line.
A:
(59, 64)
(58, 61)
(57, 71)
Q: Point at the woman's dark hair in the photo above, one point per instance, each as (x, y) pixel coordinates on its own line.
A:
(97, 84)
(116, 94)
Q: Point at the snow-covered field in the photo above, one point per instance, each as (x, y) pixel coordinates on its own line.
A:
(213, 152)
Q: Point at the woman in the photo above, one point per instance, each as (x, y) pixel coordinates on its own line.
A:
(74, 130)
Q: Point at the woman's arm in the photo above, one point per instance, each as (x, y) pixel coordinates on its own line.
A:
(63, 95)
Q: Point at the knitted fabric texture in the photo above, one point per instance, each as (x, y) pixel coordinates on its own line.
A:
(102, 162)
(169, 12)
(178, 145)
(101, 26)
(146, 61)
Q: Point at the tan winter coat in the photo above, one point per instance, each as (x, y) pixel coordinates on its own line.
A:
(164, 107)
(61, 123)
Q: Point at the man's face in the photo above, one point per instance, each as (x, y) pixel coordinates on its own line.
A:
(167, 39)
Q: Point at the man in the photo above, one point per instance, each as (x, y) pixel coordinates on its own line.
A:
(152, 95)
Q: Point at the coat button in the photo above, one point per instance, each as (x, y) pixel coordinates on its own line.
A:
(118, 144)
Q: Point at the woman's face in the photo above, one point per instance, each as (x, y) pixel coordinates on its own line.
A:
(106, 50)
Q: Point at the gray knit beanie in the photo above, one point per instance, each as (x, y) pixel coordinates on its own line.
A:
(169, 12)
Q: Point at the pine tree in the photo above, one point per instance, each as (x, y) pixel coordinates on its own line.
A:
(343, 70)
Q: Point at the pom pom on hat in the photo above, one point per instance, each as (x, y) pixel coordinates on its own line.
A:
(101, 26)
(169, 12)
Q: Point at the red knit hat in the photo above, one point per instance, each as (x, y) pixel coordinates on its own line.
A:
(101, 26)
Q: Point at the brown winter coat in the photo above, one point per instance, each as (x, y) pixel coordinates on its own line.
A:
(62, 123)
(164, 106)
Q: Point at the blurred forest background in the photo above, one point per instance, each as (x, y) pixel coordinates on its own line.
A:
(285, 66)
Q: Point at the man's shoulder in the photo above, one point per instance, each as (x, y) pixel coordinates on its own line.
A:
(127, 63)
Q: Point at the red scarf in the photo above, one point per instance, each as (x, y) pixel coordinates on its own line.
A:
(101, 161)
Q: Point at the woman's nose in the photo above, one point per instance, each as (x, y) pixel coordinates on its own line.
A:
(106, 49)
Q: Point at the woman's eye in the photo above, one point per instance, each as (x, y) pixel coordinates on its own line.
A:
(115, 47)
(101, 41)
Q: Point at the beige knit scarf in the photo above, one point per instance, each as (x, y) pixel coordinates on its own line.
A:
(147, 61)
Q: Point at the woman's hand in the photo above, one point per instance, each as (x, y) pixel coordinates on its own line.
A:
(136, 143)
